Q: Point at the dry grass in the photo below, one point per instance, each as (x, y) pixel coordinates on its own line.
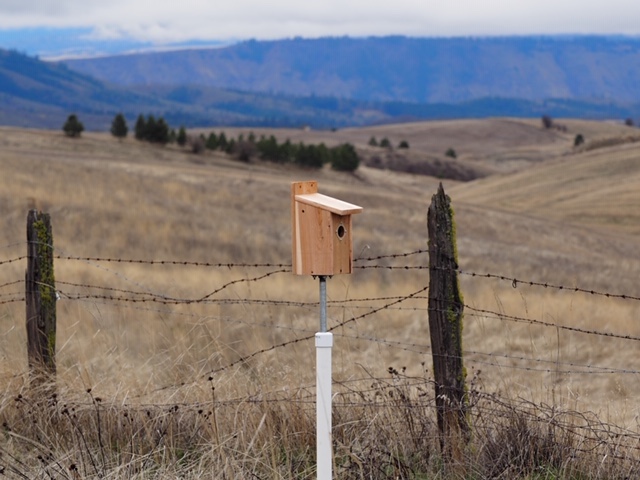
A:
(548, 223)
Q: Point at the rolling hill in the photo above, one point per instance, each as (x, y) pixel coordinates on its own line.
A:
(40, 94)
(332, 82)
(400, 69)
(135, 208)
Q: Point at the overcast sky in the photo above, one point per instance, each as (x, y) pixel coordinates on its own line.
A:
(172, 21)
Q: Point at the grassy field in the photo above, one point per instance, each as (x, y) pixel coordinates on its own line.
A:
(545, 213)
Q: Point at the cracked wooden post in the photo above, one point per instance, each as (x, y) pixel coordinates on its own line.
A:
(445, 326)
(40, 295)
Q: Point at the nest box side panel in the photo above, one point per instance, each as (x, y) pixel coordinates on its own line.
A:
(298, 188)
(342, 244)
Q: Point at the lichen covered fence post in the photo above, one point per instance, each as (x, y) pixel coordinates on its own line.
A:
(445, 325)
(40, 294)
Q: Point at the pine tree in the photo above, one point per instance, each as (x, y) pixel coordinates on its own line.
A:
(119, 127)
(212, 141)
(181, 139)
(345, 158)
(161, 132)
(73, 127)
(222, 142)
(140, 128)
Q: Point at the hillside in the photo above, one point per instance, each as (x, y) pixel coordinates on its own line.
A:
(40, 94)
(331, 82)
(182, 332)
(400, 69)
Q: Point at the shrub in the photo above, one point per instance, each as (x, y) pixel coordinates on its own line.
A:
(579, 140)
(403, 144)
(451, 153)
(245, 150)
(547, 122)
(385, 143)
(373, 142)
(629, 122)
(196, 144)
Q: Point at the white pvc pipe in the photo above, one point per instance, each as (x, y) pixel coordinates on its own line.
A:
(324, 344)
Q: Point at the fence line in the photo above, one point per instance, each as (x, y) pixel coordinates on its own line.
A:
(129, 296)
(145, 297)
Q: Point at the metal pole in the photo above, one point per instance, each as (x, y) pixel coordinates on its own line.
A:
(323, 303)
(324, 344)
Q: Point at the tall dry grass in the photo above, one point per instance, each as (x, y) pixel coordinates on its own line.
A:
(158, 390)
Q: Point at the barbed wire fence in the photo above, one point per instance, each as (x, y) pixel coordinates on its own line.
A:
(144, 298)
(71, 291)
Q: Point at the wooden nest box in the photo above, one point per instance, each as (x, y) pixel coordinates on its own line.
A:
(322, 243)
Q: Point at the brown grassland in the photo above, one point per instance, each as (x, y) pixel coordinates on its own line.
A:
(154, 389)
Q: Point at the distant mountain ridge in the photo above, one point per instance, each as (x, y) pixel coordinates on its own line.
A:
(414, 70)
(331, 82)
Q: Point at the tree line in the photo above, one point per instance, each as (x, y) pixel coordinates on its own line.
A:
(156, 130)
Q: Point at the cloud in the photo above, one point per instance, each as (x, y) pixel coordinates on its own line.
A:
(166, 21)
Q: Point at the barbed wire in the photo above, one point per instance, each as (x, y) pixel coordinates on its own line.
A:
(173, 262)
(245, 358)
(515, 282)
(549, 324)
(392, 255)
(164, 299)
(12, 300)
(15, 282)
(12, 260)
(133, 296)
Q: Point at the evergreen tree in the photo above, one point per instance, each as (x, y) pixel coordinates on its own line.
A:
(373, 142)
(212, 141)
(385, 143)
(345, 158)
(309, 156)
(222, 142)
(73, 127)
(161, 132)
(269, 149)
(403, 144)
(140, 128)
(150, 129)
(286, 151)
(119, 127)
(181, 139)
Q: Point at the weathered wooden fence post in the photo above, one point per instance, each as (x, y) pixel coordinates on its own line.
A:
(40, 294)
(445, 325)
